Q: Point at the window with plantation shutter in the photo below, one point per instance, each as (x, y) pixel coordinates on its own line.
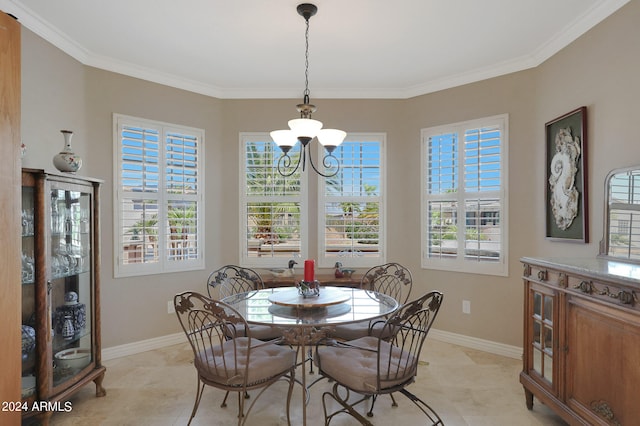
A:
(275, 213)
(158, 198)
(351, 204)
(273, 208)
(464, 196)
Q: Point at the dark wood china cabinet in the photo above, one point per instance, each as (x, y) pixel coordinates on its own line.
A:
(60, 290)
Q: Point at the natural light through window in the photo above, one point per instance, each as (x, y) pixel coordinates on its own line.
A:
(273, 226)
(158, 206)
(353, 204)
(464, 196)
(350, 213)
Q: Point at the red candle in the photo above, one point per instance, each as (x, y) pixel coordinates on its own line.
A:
(309, 266)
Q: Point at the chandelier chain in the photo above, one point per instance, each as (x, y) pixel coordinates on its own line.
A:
(306, 64)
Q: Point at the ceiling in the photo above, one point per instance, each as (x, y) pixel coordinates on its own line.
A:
(357, 48)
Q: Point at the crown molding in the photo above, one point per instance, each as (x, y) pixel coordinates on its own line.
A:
(58, 38)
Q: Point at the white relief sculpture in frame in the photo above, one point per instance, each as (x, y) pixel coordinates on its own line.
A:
(563, 170)
(566, 177)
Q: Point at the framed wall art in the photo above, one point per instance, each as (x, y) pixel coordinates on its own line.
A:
(566, 177)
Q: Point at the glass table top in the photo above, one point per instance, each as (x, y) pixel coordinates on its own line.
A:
(359, 305)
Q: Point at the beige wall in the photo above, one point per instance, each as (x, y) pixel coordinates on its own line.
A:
(496, 302)
(135, 309)
(601, 71)
(53, 98)
(598, 70)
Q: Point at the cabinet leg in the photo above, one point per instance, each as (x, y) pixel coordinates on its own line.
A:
(528, 396)
(100, 391)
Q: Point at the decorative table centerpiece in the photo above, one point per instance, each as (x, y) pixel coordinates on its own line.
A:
(309, 287)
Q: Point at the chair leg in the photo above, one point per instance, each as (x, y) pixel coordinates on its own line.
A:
(199, 391)
(394, 403)
(373, 402)
(292, 381)
(224, 401)
(424, 407)
(346, 407)
(245, 416)
(241, 398)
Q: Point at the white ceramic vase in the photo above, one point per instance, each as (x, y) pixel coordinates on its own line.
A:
(66, 160)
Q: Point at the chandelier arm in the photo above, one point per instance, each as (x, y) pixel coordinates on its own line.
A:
(284, 162)
(304, 156)
(328, 159)
(326, 162)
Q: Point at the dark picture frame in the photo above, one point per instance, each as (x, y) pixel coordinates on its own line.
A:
(566, 190)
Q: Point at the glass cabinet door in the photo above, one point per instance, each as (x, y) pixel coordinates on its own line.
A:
(28, 293)
(70, 283)
(542, 339)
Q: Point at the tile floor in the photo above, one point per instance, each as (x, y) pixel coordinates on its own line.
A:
(465, 387)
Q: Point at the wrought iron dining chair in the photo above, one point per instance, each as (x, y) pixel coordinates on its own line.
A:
(391, 279)
(230, 280)
(373, 366)
(227, 356)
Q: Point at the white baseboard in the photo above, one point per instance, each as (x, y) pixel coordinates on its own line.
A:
(443, 336)
(142, 346)
(475, 343)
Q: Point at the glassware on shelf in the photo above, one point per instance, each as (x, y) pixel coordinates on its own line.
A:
(28, 268)
(84, 222)
(27, 222)
(55, 214)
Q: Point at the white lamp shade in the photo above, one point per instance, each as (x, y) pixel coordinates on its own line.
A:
(305, 127)
(331, 137)
(284, 138)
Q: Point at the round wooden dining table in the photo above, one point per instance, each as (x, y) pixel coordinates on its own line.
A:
(307, 320)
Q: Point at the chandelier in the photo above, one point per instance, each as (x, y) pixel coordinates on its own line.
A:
(305, 129)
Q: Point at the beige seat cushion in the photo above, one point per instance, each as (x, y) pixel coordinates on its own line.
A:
(263, 332)
(226, 365)
(360, 329)
(357, 368)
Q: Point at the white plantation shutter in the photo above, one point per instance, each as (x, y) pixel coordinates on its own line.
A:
(273, 222)
(464, 196)
(352, 228)
(158, 197)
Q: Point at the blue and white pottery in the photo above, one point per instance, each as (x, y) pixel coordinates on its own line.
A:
(28, 340)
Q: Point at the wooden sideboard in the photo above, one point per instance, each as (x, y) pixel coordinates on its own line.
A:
(325, 279)
(582, 339)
